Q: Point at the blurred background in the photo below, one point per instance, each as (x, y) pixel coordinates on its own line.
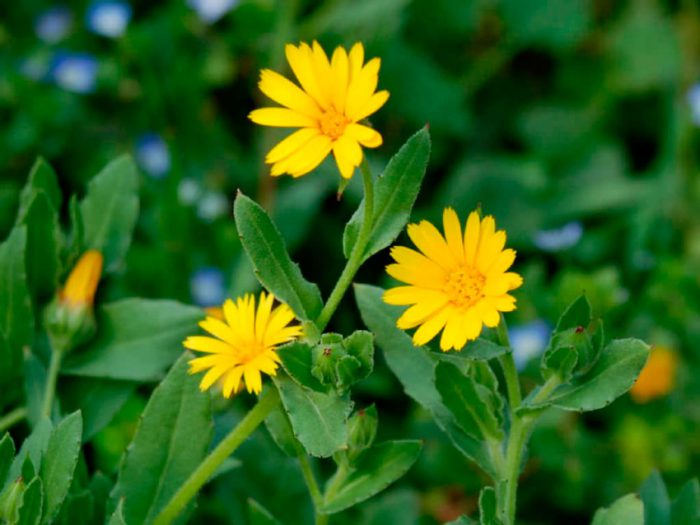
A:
(572, 121)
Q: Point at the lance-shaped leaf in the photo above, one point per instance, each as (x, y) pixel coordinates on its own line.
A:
(657, 504)
(394, 195)
(318, 419)
(415, 369)
(32, 450)
(7, 454)
(628, 510)
(16, 316)
(685, 509)
(170, 442)
(110, 209)
(59, 463)
(42, 178)
(137, 340)
(267, 253)
(32, 503)
(376, 469)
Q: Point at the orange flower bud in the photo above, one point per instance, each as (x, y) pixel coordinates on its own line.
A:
(82, 282)
(658, 376)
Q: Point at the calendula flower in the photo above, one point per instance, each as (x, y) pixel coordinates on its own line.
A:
(335, 95)
(657, 377)
(456, 283)
(243, 344)
(82, 282)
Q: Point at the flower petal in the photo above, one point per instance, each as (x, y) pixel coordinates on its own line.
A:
(281, 118)
(287, 93)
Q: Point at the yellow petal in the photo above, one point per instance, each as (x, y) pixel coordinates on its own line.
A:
(356, 58)
(307, 157)
(322, 72)
(453, 233)
(361, 89)
(202, 363)
(206, 344)
(348, 155)
(285, 92)
(420, 312)
(301, 62)
(340, 74)
(428, 240)
(471, 237)
(405, 295)
(219, 329)
(281, 118)
(253, 381)
(212, 376)
(290, 144)
(428, 330)
(375, 102)
(233, 381)
(263, 315)
(503, 261)
(366, 136)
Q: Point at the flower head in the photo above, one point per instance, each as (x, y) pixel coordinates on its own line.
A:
(244, 343)
(658, 375)
(80, 288)
(335, 95)
(457, 283)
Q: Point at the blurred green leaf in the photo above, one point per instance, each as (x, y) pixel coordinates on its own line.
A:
(59, 463)
(170, 442)
(396, 191)
(78, 509)
(556, 24)
(109, 210)
(137, 340)
(377, 468)
(685, 509)
(657, 505)
(42, 178)
(268, 255)
(488, 511)
(628, 510)
(259, 515)
(32, 503)
(7, 454)
(318, 419)
(117, 517)
(32, 450)
(34, 388)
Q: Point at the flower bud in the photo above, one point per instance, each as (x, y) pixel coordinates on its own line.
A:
(70, 318)
(362, 429)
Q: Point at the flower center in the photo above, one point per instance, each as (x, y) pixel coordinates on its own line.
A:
(333, 123)
(464, 286)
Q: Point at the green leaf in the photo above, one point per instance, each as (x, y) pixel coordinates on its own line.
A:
(463, 520)
(34, 388)
(478, 350)
(33, 449)
(318, 419)
(78, 509)
(657, 505)
(395, 193)
(170, 442)
(75, 248)
(613, 375)
(297, 361)
(271, 262)
(59, 463)
(137, 340)
(7, 454)
(110, 209)
(32, 503)
(685, 509)
(42, 178)
(279, 427)
(259, 515)
(117, 517)
(628, 510)
(376, 469)
(470, 403)
(16, 316)
(488, 511)
(555, 23)
(44, 239)
(100, 487)
(415, 369)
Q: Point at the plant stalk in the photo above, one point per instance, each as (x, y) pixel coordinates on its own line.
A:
(12, 418)
(356, 256)
(51, 379)
(268, 400)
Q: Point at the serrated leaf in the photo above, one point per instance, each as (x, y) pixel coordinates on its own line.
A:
(137, 340)
(578, 313)
(415, 369)
(273, 266)
(297, 361)
(628, 510)
(109, 210)
(395, 193)
(318, 419)
(613, 375)
(59, 463)
(16, 316)
(259, 515)
(657, 505)
(469, 402)
(488, 511)
(170, 442)
(376, 468)
(32, 503)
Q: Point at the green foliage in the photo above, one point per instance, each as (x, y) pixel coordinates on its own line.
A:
(659, 509)
(488, 513)
(628, 509)
(171, 440)
(258, 515)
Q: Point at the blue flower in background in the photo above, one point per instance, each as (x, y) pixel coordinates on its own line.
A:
(693, 97)
(209, 11)
(108, 18)
(188, 191)
(207, 287)
(153, 155)
(559, 239)
(75, 72)
(54, 24)
(36, 67)
(528, 341)
(212, 206)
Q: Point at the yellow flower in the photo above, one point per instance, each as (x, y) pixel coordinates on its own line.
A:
(82, 282)
(457, 283)
(244, 343)
(658, 375)
(335, 95)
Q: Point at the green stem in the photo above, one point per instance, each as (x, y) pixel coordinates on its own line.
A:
(312, 486)
(268, 400)
(509, 370)
(10, 419)
(514, 453)
(358, 251)
(51, 378)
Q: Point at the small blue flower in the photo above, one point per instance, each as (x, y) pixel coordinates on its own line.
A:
(528, 341)
(54, 24)
(188, 191)
(75, 72)
(207, 287)
(209, 11)
(153, 155)
(693, 97)
(212, 206)
(559, 239)
(108, 18)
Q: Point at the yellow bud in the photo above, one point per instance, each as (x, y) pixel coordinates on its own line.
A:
(82, 282)
(658, 375)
